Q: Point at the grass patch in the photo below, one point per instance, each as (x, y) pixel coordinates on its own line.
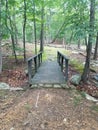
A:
(95, 108)
(27, 106)
(18, 57)
(2, 93)
(76, 101)
(44, 56)
(78, 66)
(78, 97)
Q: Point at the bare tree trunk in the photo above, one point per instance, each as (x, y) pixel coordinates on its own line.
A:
(24, 31)
(13, 40)
(86, 43)
(0, 49)
(79, 44)
(0, 59)
(11, 30)
(34, 26)
(0, 41)
(42, 30)
(85, 75)
(96, 48)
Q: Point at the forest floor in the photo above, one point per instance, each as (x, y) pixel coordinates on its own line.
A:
(45, 109)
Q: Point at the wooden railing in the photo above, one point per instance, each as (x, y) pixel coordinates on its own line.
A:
(33, 64)
(63, 62)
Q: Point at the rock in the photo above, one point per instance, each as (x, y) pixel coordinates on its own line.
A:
(26, 72)
(42, 126)
(34, 86)
(48, 86)
(96, 77)
(26, 123)
(75, 79)
(65, 120)
(4, 86)
(41, 85)
(57, 86)
(91, 98)
(64, 86)
(12, 128)
(16, 89)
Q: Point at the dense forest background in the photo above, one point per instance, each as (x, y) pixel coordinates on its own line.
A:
(47, 21)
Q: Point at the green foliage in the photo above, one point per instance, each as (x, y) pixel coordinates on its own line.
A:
(73, 13)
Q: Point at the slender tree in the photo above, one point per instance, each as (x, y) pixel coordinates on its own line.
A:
(42, 29)
(0, 40)
(34, 26)
(24, 31)
(86, 70)
(11, 29)
(96, 48)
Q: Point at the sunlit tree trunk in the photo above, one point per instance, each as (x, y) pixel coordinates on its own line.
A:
(96, 48)
(85, 75)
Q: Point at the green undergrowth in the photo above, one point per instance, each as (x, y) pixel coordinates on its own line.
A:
(19, 57)
(2, 93)
(95, 108)
(52, 51)
(78, 97)
(44, 56)
(77, 65)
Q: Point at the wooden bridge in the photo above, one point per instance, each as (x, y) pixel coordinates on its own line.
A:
(49, 71)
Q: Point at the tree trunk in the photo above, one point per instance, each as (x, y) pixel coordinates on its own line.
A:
(85, 75)
(60, 29)
(79, 44)
(34, 26)
(13, 39)
(0, 59)
(24, 31)
(96, 48)
(86, 41)
(0, 41)
(42, 30)
(15, 27)
(11, 30)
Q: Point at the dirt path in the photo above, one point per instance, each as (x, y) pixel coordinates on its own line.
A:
(47, 109)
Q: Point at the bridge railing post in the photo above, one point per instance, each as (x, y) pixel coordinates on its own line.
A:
(61, 59)
(66, 69)
(30, 70)
(37, 59)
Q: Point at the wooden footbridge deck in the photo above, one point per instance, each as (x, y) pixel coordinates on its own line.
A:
(50, 72)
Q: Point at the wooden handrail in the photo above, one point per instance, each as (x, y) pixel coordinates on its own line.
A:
(63, 60)
(33, 64)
